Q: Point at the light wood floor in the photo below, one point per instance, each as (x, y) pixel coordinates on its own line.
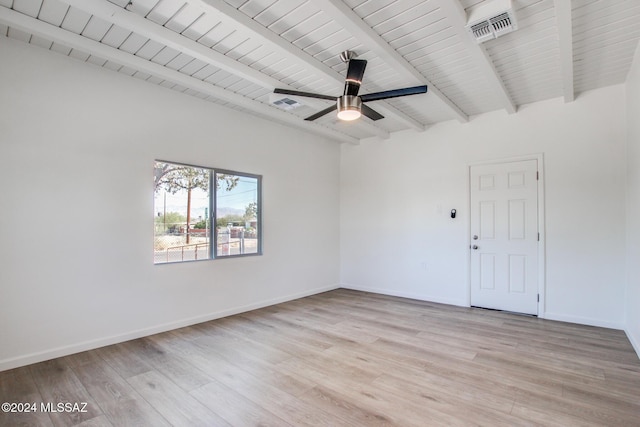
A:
(345, 358)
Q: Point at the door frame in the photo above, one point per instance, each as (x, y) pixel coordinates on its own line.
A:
(541, 224)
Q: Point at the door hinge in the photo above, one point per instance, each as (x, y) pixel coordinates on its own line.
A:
(538, 297)
(538, 237)
(537, 176)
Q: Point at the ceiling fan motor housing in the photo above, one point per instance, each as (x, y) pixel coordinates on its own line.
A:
(349, 107)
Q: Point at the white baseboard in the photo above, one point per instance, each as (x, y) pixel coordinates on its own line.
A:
(462, 303)
(115, 339)
(583, 320)
(634, 342)
(395, 293)
(41, 356)
(547, 315)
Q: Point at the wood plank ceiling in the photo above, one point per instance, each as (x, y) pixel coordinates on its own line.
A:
(235, 52)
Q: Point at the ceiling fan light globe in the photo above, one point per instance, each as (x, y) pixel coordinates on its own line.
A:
(349, 107)
(348, 115)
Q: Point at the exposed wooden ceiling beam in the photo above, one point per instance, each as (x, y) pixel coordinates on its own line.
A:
(130, 21)
(565, 36)
(388, 109)
(144, 27)
(288, 49)
(458, 17)
(40, 28)
(269, 38)
(346, 17)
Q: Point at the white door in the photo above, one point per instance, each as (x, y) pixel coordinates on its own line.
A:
(504, 236)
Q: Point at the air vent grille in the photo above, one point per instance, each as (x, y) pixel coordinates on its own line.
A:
(482, 32)
(501, 24)
(492, 20)
(286, 103)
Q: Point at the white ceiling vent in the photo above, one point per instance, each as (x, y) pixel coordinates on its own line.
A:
(491, 20)
(284, 102)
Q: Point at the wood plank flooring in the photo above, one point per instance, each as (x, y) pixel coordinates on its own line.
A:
(344, 358)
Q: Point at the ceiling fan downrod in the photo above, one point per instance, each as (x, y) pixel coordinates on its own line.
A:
(347, 55)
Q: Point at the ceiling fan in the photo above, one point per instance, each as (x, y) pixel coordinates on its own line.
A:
(350, 106)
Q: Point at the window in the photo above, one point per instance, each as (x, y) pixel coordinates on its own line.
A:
(205, 213)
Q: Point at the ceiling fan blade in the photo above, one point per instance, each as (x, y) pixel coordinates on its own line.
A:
(371, 113)
(307, 94)
(393, 93)
(321, 113)
(355, 72)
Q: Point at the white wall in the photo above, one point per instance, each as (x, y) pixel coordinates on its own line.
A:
(633, 203)
(77, 145)
(396, 197)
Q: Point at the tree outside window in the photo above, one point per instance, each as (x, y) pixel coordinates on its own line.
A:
(185, 208)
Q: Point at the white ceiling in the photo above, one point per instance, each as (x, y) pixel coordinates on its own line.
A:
(235, 52)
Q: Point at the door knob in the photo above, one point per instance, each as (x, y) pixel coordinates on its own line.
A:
(475, 247)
